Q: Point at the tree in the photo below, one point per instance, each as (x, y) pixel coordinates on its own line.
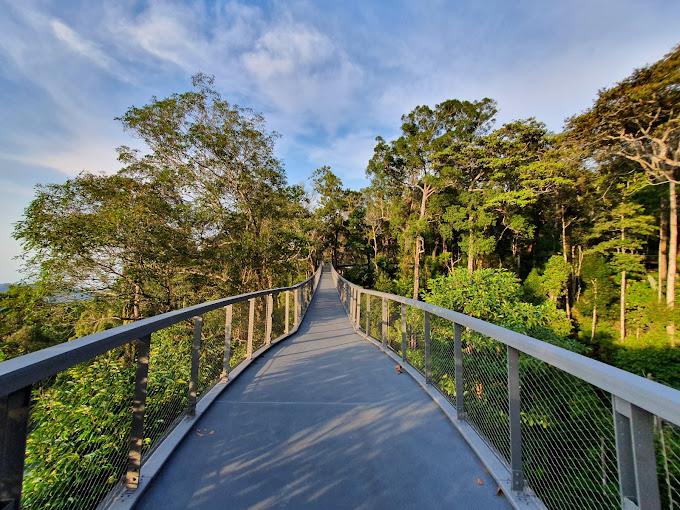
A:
(409, 162)
(622, 230)
(639, 119)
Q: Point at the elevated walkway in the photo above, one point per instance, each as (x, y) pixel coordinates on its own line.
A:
(323, 420)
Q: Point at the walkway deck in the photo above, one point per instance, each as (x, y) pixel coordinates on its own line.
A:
(323, 421)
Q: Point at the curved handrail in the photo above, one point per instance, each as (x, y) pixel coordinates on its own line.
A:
(651, 396)
(28, 369)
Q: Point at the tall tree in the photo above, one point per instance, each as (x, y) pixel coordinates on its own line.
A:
(639, 119)
(409, 162)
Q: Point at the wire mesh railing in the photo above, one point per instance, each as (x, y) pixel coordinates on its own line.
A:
(569, 431)
(79, 419)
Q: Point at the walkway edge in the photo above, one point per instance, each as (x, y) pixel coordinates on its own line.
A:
(123, 499)
(498, 471)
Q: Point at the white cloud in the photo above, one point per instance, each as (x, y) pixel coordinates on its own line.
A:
(86, 48)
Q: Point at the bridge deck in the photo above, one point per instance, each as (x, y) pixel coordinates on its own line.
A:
(323, 420)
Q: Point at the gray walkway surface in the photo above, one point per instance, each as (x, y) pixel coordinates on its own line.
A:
(323, 421)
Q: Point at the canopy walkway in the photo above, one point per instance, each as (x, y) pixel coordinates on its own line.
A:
(340, 397)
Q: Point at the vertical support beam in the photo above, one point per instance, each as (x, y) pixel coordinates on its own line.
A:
(195, 360)
(403, 333)
(228, 318)
(368, 315)
(268, 322)
(287, 327)
(458, 362)
(514, 404)
(251, 328)
(358, 317)
(138, 408)
(351, 305)
(428, 346)
(636, 456)
(298, 307)
(13, 429)
(384, 323)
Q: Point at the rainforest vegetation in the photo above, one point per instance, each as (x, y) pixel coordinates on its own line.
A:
(571, 237)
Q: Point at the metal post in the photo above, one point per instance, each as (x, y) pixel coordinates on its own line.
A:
(138, 409)
(287, 329)
(13, 429)
(298, 310)
(228, 316)
(368, 315)
(268, 323)
(358, 317)
(514, 404)
(636, 456)
(351, 305)
(195, 360)
(426, 339)
(458, 363)
(251, 328)
(403, 332)
(384, 322)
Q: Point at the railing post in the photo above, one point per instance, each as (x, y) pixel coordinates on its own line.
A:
(195, 360)
(228, 316)
(514, 404)
(298, 309)
(287, 327)
(384, 322)
(368, 315)
(458, 363)
(358, 316)
(13, 429)
(251, 328)
(268, 323)
(403, 333)
(351, 305)
(138, 409)
(428, 346)
(636, 456)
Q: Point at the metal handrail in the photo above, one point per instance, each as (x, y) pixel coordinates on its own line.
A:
(639, 406)
(658, 399)
(28, 369)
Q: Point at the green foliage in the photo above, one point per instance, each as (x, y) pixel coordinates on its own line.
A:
(495, 295)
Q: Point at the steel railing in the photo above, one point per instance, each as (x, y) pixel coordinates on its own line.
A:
(568, 430)
(80, 418)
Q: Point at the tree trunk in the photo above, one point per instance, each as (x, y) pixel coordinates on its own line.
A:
(416, 267)
(622, 312)
(593, 326)
(663, 251)
(471, 258)
(672, 246)
(565, 254)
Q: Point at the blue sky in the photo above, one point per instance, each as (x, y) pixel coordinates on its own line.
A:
(329, 76)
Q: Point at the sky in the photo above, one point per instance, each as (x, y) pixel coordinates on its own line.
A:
(328, 76)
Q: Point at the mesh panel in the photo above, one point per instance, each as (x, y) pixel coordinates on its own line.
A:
(443, 364)
(394, 327)
(79, 427)
(668, 460)
(415, 350)
(569, 450)
(167, 387)
(486, 390)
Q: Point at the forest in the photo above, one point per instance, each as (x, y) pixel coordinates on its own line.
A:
(570, 237)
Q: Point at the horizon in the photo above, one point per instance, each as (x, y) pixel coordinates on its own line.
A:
(328, 79)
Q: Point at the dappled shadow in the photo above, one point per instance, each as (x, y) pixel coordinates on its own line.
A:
(323, 421)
